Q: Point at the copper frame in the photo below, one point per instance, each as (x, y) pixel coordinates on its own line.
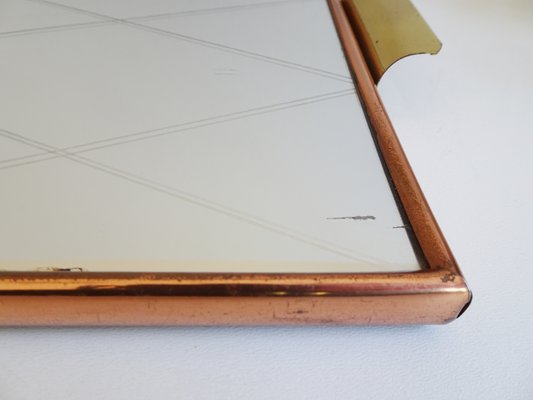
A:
(434, 295)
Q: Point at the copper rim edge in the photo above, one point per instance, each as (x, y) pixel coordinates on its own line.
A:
(433, 296)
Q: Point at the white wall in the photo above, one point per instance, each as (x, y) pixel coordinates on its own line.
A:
(466, 122)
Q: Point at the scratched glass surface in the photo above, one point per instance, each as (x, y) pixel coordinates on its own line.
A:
(187, 136)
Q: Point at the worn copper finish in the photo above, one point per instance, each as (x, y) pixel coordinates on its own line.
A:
(435, 295)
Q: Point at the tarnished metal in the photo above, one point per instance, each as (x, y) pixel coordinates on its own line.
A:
(388, 30)
(434, 295)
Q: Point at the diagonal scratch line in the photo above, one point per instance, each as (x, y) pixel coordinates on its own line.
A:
(169, 130)
(216, 10)
(53, 28)
(193, 199)
(79, 25)
(205, 43)
(210, 10)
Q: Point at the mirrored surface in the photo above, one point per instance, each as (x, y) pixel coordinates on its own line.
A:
(187, 136)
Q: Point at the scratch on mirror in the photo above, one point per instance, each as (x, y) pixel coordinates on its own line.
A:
(356, 217)
(56, 269)
(226, 71)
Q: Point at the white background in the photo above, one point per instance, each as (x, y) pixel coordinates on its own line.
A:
(465, 120)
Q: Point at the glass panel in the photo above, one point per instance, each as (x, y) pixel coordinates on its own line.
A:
(187, 136)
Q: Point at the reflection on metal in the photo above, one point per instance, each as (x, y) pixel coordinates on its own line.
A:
(389, 30)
